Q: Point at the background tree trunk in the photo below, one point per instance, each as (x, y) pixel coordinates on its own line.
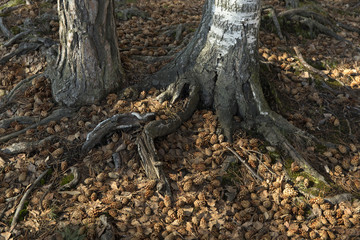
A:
(88, 65)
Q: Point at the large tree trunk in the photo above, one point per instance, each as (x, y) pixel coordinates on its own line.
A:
(222, 59)
(88, 64)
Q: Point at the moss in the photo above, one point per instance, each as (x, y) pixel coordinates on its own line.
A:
(316, 188)
(53, 214)
(320, 148)
(12, 3)
(46, 177)
(274, 155)
(22, 214)
(15, 30)
(333, 83)
(44, 4)
(232, 173)
(72, 233)
(66, 179)
(120, 15)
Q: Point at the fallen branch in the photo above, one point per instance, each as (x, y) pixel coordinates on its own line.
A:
(246, 165)
(23, 200)
(4, 29)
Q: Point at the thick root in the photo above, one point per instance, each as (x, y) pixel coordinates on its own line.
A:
(17, 91)
(154, 129)
(277, 136)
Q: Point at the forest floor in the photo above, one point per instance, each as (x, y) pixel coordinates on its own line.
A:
(213, 195)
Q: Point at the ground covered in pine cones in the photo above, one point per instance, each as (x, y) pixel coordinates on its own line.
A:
(214, 196)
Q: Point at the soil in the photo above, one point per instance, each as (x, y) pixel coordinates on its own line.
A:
(214, 196)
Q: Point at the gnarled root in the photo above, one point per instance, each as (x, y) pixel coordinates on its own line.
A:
(145, 141)
(316, 21)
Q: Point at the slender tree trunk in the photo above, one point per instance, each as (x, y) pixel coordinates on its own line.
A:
(88, 64)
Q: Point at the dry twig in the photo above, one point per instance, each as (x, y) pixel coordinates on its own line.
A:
(246, 165)
(23, 199)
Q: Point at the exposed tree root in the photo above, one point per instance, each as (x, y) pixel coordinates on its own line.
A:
(16, 38)
(4, 29)
(21, 147)
(21, 119)
(276, 130)
(311, 68)
(154, 129)
(116, 122)
(55, 116)
(308, 66)
(316, 21)
(292, 3)
(7, 10)
(18, 90)
(22, 49)
(126, 14)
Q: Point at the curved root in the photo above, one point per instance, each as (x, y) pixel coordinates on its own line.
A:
(154, 129)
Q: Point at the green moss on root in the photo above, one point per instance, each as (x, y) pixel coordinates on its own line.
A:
(316, 188)
(66, 179)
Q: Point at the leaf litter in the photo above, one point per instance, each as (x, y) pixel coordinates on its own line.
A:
(209, 201)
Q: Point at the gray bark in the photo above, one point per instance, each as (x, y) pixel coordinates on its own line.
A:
(87, 67)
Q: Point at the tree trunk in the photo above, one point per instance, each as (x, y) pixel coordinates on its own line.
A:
(88, 65)
(222, 59)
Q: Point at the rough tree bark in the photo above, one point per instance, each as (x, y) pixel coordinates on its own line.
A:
(222, 60)
(88, 64)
